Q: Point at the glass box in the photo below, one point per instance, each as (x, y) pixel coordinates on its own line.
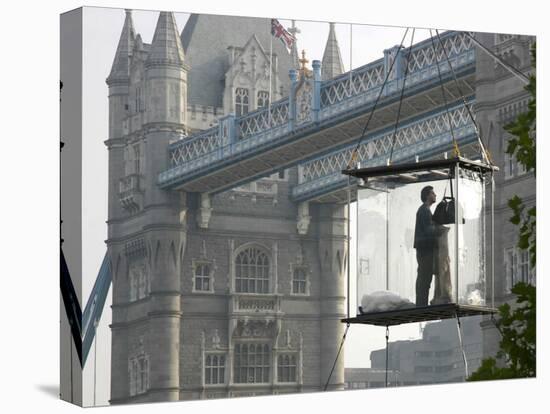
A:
(422, 235)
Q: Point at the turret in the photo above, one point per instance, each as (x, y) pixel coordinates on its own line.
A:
(332, 59)
(166, 75)
(119, 78)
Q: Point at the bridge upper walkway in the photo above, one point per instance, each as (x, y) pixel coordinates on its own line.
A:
(321, 121)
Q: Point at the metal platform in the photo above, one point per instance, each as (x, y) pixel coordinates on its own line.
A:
(421, 314)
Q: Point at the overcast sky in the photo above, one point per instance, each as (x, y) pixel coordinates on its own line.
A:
(102, 27)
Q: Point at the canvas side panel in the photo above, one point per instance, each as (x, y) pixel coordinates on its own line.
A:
(71, 193)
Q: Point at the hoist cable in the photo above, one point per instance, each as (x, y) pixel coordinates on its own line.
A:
(387, 351)
(448, 116)
(354, 153)
(337, 355)
(482, 145)
(401, 98)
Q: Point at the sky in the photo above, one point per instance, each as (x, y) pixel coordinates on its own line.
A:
(359, 45)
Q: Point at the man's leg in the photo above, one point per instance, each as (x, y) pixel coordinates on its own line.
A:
(424, 278)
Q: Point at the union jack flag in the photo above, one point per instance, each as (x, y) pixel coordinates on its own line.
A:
(282, 34)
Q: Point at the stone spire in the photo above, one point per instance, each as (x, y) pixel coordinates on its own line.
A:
(294, 50)
(121, 63)
(332, 59)
(166, 47)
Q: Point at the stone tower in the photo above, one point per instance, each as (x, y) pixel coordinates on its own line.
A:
(233, 294)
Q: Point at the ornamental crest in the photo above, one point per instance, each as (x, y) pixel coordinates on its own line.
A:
(304, 92)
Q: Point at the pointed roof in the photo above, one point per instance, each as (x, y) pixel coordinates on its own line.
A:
(206, 38)
(166, 47)
(121, 63)
(332, 59)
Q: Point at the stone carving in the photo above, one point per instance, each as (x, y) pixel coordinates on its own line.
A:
(215, 339)
(304, 98)
(255, 328)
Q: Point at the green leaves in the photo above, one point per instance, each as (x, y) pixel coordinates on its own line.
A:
(517, 325)
(526, 219)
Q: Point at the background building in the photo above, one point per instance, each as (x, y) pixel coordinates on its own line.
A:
(436, 358)
(213, 296)
(500, 98)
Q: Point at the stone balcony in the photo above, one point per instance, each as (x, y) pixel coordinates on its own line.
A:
(247, 304)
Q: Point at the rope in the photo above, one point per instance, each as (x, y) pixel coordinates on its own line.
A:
(387, 352)
(354, 153)
(401, 99)
(449, 120)
(482, 145)
(337, 355)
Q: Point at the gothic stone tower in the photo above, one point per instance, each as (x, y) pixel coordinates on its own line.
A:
(213, 296)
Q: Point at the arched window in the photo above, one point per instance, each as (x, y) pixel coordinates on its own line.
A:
(241, 101)
(252, 271)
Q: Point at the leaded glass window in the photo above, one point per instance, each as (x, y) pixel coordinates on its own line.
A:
(251, 363)
(241, 101)
(214, 369)
(203, 277)
(299, 281)
(286, 368)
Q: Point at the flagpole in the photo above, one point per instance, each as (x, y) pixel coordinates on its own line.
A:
(270, 71)
(350, 57)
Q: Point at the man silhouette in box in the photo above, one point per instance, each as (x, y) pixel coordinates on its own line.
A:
(427, 237)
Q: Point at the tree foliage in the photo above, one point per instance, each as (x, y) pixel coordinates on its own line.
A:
(518, 345)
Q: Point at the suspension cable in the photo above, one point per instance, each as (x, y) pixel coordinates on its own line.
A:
(354, 153)
(337, 355)
(448, 116)
(401, 98)
(387, 351)
(506, 65)
(471, 115)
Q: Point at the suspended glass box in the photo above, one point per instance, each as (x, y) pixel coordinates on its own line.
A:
(423, 234)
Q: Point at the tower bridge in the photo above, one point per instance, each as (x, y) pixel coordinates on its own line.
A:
(198, 286)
